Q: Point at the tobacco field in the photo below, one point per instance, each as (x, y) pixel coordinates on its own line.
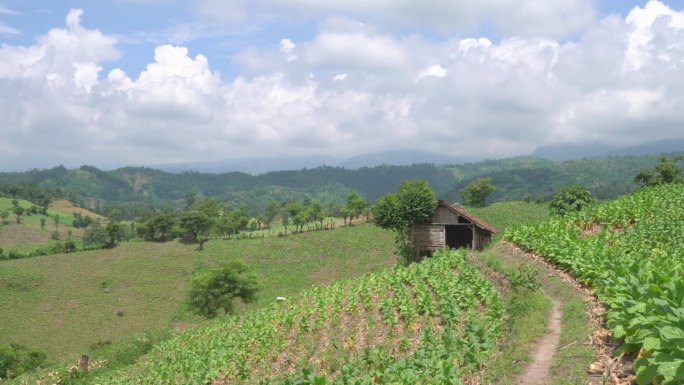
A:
(631, 252)
(435, 322)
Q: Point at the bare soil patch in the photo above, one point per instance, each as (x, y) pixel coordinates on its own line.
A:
(66, 207)
(12, 234)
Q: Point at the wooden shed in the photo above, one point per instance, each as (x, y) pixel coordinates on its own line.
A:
(451, 226)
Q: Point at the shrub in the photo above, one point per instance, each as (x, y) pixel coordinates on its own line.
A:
(571, 199)
(212, 291)
(17, 359)
(524, 277)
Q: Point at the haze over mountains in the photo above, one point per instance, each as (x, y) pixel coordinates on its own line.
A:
(402, 157)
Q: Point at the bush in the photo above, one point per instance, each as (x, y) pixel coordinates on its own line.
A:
(571, 199)
(16, 359)
(212, 291)
(524, 277)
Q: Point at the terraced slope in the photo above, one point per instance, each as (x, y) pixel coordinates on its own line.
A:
(631, 251)
(429, 323)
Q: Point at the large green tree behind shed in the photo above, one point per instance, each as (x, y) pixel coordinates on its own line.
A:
(413, 203)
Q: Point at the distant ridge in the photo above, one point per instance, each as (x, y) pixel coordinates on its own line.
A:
(570, 151)
(264, 165)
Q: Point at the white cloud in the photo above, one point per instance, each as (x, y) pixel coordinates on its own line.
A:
(352, 89)
(433, 71)
(286, 47)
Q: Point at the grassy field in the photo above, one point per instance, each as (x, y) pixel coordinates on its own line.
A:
(503, 215)
(28, 235)
(62, 304)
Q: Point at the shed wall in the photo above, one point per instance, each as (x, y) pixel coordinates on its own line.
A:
(428, 238)
(445, 216)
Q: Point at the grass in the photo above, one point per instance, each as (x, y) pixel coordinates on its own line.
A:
(74, 298)
(502, 215)
(28, 235)
(527, 317)
(570, 362)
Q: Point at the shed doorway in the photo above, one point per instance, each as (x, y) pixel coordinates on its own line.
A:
(458, 236)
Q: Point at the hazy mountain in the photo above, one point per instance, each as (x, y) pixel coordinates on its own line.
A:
(268, 164)
(569, 151)
(251, 166)
(400, 158)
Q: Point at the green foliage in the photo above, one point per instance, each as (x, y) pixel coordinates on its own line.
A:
(438, 323)
(476, 193)
(194, 223)
(629, 250)
(524, 277)
(413, 203)
(212, 291)
(666, 171)
(95, 236)
(114, 232)
(16, 359)
(571, 199)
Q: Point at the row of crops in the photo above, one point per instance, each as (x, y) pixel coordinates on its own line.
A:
(429, 323)
(631, 251)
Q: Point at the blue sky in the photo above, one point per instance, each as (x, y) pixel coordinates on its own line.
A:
(117, 82)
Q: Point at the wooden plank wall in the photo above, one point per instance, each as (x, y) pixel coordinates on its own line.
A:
(429, 237)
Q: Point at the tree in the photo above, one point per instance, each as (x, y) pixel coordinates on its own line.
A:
(666, 171)
(194, 223)
(476, 193)
(56, 218)
(94, 235)
(355, 204)
(413, 203)
(18, 212)
(571, 199)
(4, 215)
(190, 199)
(270, 213)
(212, 291)
(114, 233)
(160, 225)
(316, 213)
(42, 223)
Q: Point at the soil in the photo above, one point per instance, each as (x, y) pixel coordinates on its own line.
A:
(538, 371)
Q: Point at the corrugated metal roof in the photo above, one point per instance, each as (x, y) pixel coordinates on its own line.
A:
(462, 212)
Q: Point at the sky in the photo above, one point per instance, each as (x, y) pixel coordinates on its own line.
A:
(145, 82)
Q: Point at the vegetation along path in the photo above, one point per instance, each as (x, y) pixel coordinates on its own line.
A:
(553, 341)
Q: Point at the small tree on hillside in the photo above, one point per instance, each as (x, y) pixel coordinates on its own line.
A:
(194, 223)
(413, 203)
(476, 193)
(666, 171)
(571, 199)
(355, 205)
(212, 291)
(114, 232)
(18, 212)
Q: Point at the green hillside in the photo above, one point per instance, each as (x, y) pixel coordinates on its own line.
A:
(27, 235)
(431, 323)
(515, 179)
(62, 304)
(631, 252)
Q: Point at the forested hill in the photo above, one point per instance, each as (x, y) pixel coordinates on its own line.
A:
(514, 178)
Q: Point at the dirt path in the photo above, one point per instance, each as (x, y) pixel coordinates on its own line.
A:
(584, 337)
(538, 371)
